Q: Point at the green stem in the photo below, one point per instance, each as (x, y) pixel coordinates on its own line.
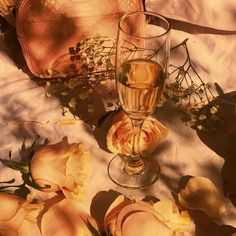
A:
(21, 166)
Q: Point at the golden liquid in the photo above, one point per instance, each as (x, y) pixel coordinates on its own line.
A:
(140, 84)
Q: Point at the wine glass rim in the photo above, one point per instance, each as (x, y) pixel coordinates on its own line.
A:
(146, 13)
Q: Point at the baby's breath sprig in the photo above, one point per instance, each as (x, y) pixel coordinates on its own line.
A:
(96, 58)
(92, 62)
(91, 67)
(190, 93)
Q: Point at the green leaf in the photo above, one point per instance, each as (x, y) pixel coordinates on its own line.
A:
(20, 166)
(8, 182)
(32, 148)
(183, 202)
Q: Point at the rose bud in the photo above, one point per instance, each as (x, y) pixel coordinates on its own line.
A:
(119, 136)
(61, 167)
(18, 216)
(200, 193)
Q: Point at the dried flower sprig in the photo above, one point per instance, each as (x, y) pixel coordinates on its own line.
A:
(92, 60)
(190, 93)
(92, 68)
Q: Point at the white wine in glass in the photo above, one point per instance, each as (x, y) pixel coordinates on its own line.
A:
(142, 57)
(140, 84)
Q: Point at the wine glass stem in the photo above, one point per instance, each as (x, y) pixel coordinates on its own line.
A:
(134, 164)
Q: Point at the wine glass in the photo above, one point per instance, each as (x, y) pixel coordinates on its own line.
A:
(142, 56)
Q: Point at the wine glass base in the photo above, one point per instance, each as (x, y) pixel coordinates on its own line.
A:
(147, 178)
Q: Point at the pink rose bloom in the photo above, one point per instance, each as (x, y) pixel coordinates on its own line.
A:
(18, 217)
(66, 218)
(61, 167)
(57, 216)
(119, 136)
(129, 218)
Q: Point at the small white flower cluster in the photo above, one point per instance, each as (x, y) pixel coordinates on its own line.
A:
(93, 59)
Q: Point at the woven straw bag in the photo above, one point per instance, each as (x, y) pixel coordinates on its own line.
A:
(7, 10)
(46, 29)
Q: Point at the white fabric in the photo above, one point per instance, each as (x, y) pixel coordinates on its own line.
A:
(25, 111)
(217, 14)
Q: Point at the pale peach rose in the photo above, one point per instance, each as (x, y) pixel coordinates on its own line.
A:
(66, 218)
(131, 218)
(18, 217)
(119, 136)
(200, 193)
(61, 167)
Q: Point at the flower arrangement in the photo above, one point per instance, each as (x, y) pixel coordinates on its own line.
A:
(124, 216)
(63, 169)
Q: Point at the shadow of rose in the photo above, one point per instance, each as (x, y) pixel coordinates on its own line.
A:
(221, 140)
(100, 204)
(205, 226)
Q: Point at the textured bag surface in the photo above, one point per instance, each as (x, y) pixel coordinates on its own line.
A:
(46, 29)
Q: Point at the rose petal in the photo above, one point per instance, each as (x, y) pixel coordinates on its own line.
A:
(12, 204)
(18, 217)
(29, 228)
(49, 159)
(117, 204)
(144, 224)
(66, 217)
(174, 219)
(110, 218)
(135, 207)
(77, 172)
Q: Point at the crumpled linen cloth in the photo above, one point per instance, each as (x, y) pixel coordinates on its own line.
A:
(25, 111)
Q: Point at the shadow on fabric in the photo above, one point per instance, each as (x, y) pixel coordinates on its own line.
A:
(222, 141)
(205, 226)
